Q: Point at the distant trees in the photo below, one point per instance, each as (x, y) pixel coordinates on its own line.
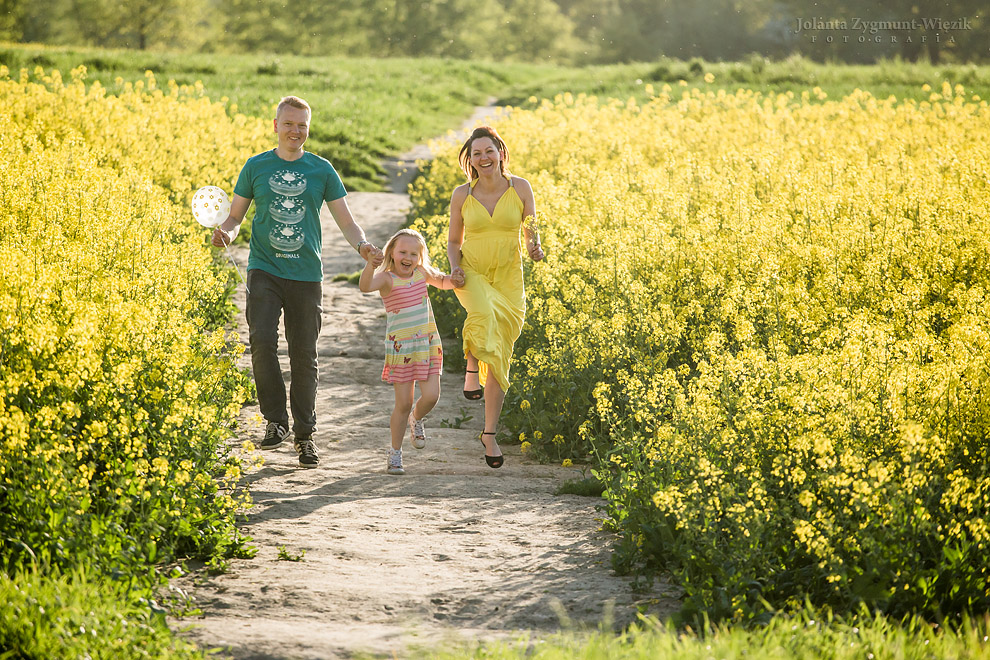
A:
(520, 29)
(567, 31)
(138, 24)
(11, 19)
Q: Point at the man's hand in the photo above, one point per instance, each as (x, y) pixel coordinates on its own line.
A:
(368, 250)
(221, 238)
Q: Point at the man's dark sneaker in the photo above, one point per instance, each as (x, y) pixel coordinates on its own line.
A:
(306, 449)
(274, 435)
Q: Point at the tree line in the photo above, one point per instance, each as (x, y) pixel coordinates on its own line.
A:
(566, 31)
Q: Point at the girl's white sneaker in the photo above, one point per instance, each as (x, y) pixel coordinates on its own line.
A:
(395, 461)
(417, 432)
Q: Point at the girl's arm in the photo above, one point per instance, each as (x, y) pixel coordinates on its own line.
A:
(437, 279)
(372, 281)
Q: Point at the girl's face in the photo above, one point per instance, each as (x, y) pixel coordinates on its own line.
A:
(485, 157)
(406, 255)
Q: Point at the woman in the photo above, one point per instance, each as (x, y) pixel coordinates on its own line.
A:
(483, 247)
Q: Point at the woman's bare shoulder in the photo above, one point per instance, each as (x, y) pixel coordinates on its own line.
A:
(520, 183)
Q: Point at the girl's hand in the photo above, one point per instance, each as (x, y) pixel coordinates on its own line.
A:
(457, 278)
(536, 252)
(377, 259)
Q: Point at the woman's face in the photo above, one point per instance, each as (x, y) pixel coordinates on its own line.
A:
(406, 255)
(485, 157)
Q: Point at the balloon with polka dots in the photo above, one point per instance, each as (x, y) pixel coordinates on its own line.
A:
(210, 206)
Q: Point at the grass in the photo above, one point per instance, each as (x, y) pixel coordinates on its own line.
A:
(805, 636)
(82, 616)
(900, 79)
(586, 487)
(284, 554)
(366, 110)
(350, 278)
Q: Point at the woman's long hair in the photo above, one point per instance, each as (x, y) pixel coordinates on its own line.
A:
(465, 156)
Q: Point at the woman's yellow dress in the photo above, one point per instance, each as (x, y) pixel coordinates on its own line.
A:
(493, 294)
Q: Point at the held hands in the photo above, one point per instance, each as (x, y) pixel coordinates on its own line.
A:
(371, 253)
(457, 277)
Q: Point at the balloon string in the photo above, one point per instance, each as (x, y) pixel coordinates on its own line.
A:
(226, 248)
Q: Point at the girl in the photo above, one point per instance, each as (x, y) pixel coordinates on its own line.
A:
(412, 345)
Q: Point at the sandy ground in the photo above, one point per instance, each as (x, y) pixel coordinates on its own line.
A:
(451, 552)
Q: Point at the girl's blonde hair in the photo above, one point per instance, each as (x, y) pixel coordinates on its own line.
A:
(424, 251)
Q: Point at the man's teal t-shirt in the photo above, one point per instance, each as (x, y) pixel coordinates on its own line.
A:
(286, 238)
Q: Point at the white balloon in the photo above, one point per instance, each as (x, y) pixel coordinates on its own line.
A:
(210, 206)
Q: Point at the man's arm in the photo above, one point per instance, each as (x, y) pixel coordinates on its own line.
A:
(224, 234)
(352, 232)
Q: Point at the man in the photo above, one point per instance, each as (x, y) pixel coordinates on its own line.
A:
(285, 269)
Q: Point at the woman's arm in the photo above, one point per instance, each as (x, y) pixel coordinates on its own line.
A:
(530, 229)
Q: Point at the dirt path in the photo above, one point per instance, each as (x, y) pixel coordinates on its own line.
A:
(452, 550)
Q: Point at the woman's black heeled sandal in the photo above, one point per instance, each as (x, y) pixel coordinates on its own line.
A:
(472, 395)
(494, 462)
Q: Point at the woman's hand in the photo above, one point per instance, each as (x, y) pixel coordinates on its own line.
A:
(536, 252)
(457, 277)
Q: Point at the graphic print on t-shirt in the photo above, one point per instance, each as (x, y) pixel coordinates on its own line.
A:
(287, 210)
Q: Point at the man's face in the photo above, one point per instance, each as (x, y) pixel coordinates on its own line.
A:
(292, 127)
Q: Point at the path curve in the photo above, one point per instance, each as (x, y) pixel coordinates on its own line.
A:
(450, 552)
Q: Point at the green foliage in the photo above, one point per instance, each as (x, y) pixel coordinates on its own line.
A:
(585, 487)
(350, 278)
(459, 420)
(804, 636)
(369, 109)
(118, 383)
(795, 74)
(79, 615)
(284, 554)
(364, 110)
(776, 348)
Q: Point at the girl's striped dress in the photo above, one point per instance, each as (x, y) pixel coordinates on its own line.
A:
(412, 344)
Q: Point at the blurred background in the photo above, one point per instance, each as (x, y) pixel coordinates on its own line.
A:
(570, 32)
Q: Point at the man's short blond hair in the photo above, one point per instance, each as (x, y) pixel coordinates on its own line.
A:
(293, 101)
